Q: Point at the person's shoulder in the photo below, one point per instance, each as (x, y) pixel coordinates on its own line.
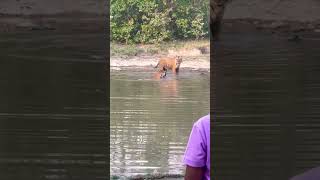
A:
(203, 122)
(312, 174)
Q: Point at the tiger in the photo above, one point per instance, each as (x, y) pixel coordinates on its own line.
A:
(169, 63)
(160, 74)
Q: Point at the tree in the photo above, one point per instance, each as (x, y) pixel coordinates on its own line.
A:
(217, 8)
(153, 21)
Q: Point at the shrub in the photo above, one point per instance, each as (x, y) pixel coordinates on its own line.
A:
(154, 21)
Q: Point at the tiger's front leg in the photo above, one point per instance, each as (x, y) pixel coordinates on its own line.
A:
(174, 70)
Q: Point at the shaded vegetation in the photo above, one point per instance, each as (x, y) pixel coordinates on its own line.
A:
(153, 21)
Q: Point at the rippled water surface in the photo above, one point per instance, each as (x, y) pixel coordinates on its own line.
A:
(52, 106)
(267, 105)
(151, 120)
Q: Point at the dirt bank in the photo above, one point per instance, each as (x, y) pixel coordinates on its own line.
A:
(279, 26)
(280, 15)
(71, 15)
(200, 62)
(291, 10)
(60, 22)
(195, 54)
(49, 7)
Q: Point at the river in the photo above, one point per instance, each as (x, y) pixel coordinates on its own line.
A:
(266, 105)
(151, 120)
(53, 106)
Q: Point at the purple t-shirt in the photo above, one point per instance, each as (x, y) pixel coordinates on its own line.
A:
(198, 149)
(312, 174)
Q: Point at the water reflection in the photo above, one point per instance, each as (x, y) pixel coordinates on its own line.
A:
(267, 106)
(151, 120)
(52, 106)
(169, 88)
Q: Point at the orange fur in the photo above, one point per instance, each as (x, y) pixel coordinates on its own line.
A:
(160, 74)
(169, 88)
(169, 63)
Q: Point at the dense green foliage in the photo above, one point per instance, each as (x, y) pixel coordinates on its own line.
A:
(152, 21)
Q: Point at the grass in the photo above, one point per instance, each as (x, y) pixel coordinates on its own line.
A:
(124, 50)
(117, 49)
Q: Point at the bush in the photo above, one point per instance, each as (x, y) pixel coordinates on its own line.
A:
(153, 21)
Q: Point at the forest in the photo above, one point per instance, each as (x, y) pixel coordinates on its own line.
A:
(154, 21)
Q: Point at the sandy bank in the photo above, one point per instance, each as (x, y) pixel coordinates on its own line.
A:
(289, 10)
(61, 22)
(201, 62)
(49, 7)
(279, 15)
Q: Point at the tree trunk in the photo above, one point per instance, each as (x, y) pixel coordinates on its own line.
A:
(217, 8)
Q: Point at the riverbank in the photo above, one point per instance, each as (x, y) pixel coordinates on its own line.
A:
(279, 16)
(63, 22)
(189, 62)
(195, 54)
(274, 26)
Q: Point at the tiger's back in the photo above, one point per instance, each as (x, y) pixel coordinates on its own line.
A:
(170, 63)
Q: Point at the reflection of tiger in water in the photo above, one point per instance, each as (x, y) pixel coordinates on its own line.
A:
(169, 63)
(161, 73)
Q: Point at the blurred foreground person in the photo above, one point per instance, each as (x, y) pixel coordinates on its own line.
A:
(312, 174)
(197, 154)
